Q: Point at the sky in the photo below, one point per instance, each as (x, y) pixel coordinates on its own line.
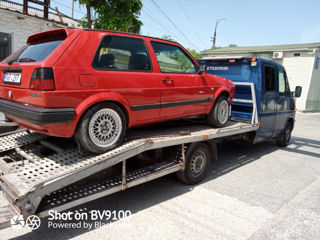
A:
(248, 22)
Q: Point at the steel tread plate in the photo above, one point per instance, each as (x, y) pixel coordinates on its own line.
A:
(19, 139)
(72, 193)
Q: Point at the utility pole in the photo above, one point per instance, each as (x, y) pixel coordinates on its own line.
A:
(72, 8)
(215, 32)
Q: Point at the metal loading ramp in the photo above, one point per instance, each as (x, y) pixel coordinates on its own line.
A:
(39, 173)
(28, 177)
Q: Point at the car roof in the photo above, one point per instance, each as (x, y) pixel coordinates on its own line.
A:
(130, 34)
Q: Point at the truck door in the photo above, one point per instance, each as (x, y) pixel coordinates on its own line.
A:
(268, 103)
(284, 105)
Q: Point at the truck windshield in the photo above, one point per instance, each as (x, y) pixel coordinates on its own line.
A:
(33, 52)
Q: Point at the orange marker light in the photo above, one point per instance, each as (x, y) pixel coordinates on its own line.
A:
(205, 137)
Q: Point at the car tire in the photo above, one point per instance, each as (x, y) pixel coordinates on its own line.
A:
(198, 159)
(102, 128)
(284, 138)
(219, 114)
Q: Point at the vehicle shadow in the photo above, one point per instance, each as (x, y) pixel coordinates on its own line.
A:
(144, 196)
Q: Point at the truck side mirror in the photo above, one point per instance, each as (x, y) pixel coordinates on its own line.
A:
(202, 69)
(297, 92)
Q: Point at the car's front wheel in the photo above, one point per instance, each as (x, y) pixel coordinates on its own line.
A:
(101, 128)
(219, 114)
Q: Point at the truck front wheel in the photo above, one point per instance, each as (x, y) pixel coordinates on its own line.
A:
(197, 164)
(284, 138)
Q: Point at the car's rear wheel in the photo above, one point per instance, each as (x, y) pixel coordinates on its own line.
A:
(101, 128)
(219, 114)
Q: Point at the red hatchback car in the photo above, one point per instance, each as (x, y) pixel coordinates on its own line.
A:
(94, 84)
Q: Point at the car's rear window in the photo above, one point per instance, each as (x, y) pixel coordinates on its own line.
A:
(34, 52)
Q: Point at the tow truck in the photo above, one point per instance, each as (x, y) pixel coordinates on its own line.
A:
(41, 173)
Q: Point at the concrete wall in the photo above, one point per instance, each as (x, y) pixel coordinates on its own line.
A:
(299, 71)
(21, 26)
(313, 99)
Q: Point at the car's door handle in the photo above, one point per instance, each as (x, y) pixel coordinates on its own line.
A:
(167, 80)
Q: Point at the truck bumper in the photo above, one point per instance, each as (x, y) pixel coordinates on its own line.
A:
(35, 114)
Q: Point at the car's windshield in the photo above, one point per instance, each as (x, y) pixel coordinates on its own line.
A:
(33, 52)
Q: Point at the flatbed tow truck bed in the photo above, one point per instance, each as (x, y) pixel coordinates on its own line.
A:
(38, 173)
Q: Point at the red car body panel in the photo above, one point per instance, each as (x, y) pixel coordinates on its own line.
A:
(79, 86)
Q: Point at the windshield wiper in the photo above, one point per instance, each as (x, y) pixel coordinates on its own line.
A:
(26, 60)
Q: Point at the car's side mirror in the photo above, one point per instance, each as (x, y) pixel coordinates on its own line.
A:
(297, 92)
(202, 69)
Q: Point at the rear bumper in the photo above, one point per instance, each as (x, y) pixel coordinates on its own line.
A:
(34, 114)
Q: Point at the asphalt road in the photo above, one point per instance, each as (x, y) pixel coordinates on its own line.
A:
(252, 192)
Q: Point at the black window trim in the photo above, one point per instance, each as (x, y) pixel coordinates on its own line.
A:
(187, 55)
(119, 70)
(264, 77)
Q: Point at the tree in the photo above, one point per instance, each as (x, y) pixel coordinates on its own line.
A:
(120, 15)
(194, 53)
(89, 4)
(232, 45)
(167, 37)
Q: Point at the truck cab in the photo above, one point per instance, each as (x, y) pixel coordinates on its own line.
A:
(275, 102)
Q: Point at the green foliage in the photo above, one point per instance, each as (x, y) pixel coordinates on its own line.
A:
(232, 45)
(194, 53)
(119, 15)
(167, 37)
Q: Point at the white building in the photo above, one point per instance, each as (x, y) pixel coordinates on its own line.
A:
(300, 60)
(16, 26)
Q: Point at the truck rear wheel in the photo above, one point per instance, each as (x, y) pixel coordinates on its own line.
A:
(101, 128)
(219, 114)
(198, 159)
(284, 138)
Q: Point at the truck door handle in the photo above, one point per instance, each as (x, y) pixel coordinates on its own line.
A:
(167, 80)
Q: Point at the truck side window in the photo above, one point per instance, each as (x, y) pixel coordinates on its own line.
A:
(284, 88)
(269, 78)
(122, 54)
(172, 59)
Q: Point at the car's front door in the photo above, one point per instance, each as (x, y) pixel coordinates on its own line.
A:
(183, 90)
(268, 104)
(284, 102)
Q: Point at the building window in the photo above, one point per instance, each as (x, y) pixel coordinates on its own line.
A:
(296, 54)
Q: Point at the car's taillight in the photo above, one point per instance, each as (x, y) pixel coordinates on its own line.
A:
(42, 79)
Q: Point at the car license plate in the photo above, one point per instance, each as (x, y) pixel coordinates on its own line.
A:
(12, 77)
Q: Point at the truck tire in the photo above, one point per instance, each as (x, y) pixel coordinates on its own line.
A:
(219, 114)
(198, 159)
(101, 128)
(284, 138)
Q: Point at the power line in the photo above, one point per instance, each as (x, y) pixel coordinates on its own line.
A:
(190, 23)
(158, 22)
(176, 27)
(78, 11)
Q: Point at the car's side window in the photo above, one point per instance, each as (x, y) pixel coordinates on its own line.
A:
(284, 88)
(269, 78)
(172, 59)
(122, 54)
